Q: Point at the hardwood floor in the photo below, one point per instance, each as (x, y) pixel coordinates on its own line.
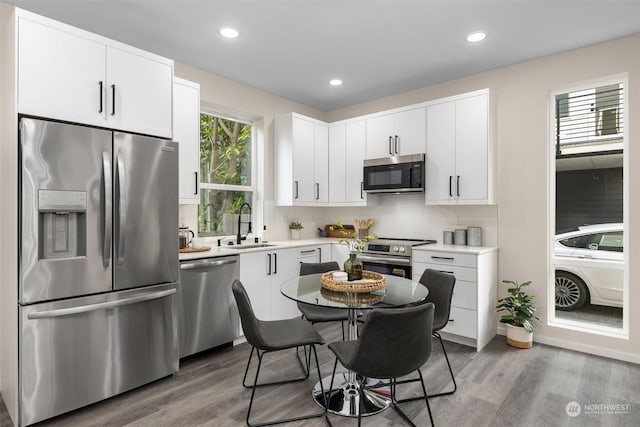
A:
(500, 386)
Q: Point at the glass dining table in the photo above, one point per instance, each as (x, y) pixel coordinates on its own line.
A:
(343, 398)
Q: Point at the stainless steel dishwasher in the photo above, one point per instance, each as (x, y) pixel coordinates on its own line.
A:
(208, 311)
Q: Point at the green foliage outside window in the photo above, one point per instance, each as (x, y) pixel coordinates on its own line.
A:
(225, 159)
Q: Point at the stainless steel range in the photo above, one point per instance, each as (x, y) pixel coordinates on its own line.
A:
(390, 256)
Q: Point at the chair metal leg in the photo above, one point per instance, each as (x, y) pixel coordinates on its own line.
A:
(426, 397)
(444, 393)
(292, 380)
(455, 386)
(256, 385)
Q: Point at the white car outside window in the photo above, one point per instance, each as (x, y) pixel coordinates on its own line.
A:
(589, 266)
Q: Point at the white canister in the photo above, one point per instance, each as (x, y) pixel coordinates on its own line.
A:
(460, 236)
(447, 237)
(474, 236)
(340, 276)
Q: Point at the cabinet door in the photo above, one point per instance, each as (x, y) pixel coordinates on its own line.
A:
(441, 145)
(285, 267)
(321, 163)
(337, 168)
(355, 146)
(472, 149)
(139, 93)
(380, 133)
(254, 275)
(409, 132)
(60, 74)
(186, 131)
(303, 135)
(325, 252)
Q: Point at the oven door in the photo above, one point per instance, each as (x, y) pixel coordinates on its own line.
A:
(394, 266)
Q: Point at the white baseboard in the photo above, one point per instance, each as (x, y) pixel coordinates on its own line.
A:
(583, 348)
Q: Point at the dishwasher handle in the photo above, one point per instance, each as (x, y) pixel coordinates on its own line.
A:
(99, 306)
(208, 264)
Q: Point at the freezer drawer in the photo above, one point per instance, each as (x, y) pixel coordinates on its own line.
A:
(82, 350)
(208, 312)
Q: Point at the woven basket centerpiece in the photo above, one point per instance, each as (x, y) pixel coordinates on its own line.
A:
(371, 281)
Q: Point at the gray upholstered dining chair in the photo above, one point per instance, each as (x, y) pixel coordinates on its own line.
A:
(275, 335)
(316, 314)
(393, 343)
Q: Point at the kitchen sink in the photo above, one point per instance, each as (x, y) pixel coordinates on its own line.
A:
(251, 246)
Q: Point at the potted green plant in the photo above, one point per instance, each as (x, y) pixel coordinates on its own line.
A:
(520, 314)
(295, 227)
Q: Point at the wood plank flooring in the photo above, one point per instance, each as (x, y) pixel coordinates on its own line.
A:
(500, 386)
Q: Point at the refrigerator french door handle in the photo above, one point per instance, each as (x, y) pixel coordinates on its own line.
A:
(122, 209)
(108, 218)
(48, 314)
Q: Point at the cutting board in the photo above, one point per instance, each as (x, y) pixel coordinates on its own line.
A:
(191, 250)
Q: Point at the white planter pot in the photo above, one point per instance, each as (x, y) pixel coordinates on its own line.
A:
(295, 234)
(517, 336)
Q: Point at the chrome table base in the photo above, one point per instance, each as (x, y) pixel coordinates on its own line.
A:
(344, 398)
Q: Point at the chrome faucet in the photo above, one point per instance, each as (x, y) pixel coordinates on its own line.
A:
(239, 237)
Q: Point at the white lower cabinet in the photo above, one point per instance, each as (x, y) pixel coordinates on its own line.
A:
(473, 318)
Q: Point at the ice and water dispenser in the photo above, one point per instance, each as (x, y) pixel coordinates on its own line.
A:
(62, 223)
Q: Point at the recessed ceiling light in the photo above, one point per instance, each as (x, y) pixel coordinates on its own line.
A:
(229, 33)
(335, 82)
(476, 36)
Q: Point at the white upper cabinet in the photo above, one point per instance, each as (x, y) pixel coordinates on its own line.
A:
(139, 92)
(347, 144)
(396, 134)
(186, 131)
(301, 158)
(69, 74)
(458, 155)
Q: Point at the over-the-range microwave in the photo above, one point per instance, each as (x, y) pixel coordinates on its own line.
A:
(397, 174)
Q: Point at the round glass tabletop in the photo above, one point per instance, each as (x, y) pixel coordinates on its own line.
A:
(398, 292)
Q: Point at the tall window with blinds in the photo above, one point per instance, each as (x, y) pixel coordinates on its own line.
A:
(588, 207)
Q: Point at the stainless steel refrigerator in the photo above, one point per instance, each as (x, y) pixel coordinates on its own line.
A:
(98, 265)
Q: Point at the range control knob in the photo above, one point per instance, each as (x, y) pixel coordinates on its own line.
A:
(402, 249)
(395, 249)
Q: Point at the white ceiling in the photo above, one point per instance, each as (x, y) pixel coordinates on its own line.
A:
(379, 48)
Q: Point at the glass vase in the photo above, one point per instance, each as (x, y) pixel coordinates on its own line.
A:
(353, 267)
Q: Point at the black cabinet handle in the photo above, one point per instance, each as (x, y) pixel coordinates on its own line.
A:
(317, 191)
(396, 145)
(296, 183)
(446, 272)
(195, 192)
(362, 190)
(450, 179)
(101, 100)
(458, 185)
(275, 263)
(269, 262)
(320, 254)
(113, 100)
(390, 152)
(451, 320)
(442, 257)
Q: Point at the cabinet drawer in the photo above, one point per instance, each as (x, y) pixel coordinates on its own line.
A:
(462, 273)
(445, 258)
(464, 295)
(462, 322)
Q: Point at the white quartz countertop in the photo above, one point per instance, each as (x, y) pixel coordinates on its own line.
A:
(439, 247)
(225, 250)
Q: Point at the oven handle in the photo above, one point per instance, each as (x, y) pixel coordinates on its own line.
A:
(384, 260)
